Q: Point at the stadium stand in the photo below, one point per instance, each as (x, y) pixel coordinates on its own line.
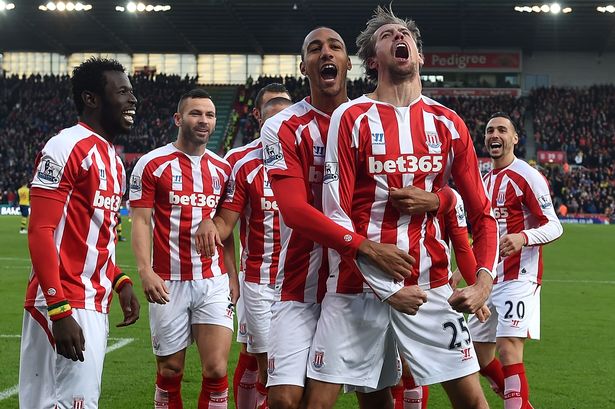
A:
(580, 122)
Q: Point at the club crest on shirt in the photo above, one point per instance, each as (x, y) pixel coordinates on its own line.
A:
(272, 154)
(501, 198)
(49, 171)
(433, 142)
(135, 183)
(215, 182)
(319, 359)
(545, 201)
(332, 172)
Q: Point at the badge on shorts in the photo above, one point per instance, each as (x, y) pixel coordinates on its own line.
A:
(155, 343)
(78, 402)
(319, 359)
(466, 354)
(242, 328)
(270, 365)
(229, 311)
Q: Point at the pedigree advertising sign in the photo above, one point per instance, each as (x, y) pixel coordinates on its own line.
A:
(468, 60)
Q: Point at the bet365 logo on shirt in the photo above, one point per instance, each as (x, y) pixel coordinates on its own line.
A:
(194, 199)
(405, 164)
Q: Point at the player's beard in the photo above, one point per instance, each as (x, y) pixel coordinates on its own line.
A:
(401, 74)
(190, 136)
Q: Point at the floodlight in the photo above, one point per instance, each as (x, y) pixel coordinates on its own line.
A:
(610, 8)
(140, 7)
(51, 6)
(61, 6)
(567, 10)
(555, 8)
(131, 7)
(70, 6)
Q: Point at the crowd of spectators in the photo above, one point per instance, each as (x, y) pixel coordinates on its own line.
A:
(580, 122)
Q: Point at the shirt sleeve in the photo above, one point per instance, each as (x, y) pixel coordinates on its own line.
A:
(46, 214)
(236, 191)
(467, 178)
(537, 198)
(280, 154)
(142, 185)
(457, 230)
(56, 170)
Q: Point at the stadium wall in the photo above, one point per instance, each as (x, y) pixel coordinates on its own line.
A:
(567, 69)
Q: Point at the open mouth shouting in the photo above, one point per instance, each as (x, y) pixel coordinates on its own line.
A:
(495, 146)
(402, 52)
(328, 73)
(129, 115)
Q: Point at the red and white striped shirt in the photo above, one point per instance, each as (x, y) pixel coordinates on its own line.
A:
(80, 169)
(522, 204)
(250, 194)
(182, 190)
(294, 145)
(374, 146)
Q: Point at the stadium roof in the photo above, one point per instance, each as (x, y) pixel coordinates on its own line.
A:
(278, 26)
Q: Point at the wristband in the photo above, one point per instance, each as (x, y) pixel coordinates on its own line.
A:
(120, 281)
(59, 310)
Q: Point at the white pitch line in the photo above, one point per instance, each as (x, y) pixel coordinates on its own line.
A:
(9, 392)
(121, 342)
(580, 281)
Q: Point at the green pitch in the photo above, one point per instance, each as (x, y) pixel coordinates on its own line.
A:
(571, 368)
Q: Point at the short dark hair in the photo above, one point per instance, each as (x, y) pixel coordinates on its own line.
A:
(366, 42)
(89, 76)
(193, 93)
(274, 87)
(277, 101)
(501, 114)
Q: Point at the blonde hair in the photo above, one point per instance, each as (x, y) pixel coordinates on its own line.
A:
(366, 42)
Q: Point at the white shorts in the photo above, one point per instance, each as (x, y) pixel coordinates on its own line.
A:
(240, 312)
(515, 312)
(47, 379)
(192, 302)
(258, 299)
(292, 329)
(436, 341)
(352, 338)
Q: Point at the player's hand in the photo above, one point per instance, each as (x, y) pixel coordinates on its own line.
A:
(413, 200)
(473, 297)
(233, 283)
(130, 305)
(483, 313)
(455, 278)
(393, 261)
(408, 299)
(70, 342)
(511, 244)
(155, 289)
(207, 238)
